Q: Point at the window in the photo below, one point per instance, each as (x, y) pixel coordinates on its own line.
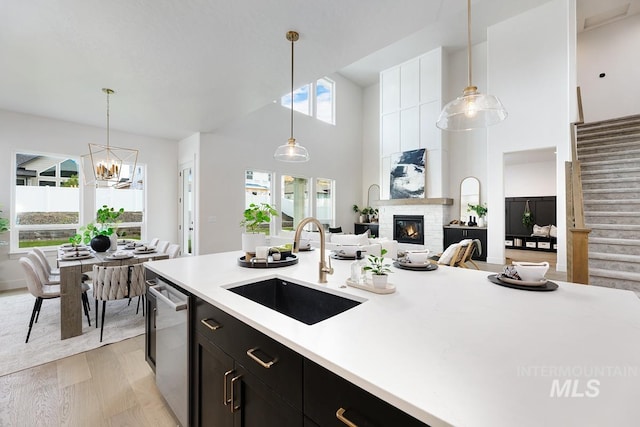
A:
(46, 207)
(294, 201)
(325, 201)
(319, 95)
(325, 104)
(301, 102)
(258, 189)
(130, 195)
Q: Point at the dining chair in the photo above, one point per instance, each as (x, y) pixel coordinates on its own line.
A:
(38, 289)
(114, 283)
(464, 256)
(52, 271)
(162, 246)
(153, 242)
(46, 276)
(173, 250)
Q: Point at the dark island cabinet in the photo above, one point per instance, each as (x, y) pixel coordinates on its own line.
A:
(330, 400)
(241, 377)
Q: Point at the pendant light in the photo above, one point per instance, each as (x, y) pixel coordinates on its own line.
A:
(291, 152)
(103, 165)
(472, 110)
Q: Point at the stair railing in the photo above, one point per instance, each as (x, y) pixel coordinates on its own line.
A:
(578, 235)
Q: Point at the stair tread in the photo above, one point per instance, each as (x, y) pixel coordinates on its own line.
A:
(614, 241)
(615, 274)
(614, 257)
(621, 227)
(611, 180)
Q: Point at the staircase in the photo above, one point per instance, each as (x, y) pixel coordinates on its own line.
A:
(609, 153)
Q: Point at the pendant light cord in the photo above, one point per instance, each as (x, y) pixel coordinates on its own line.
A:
(292, 42)
(469, 38)
(107, 91)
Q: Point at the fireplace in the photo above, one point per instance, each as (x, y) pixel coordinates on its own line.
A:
(408, 229)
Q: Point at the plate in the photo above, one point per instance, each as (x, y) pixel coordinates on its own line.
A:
(73, 257)
(148, 251)
(73, 248)
(548, 286)
(415, 267)
(511, 281)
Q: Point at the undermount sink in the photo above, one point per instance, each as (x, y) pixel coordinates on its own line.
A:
(299, 302)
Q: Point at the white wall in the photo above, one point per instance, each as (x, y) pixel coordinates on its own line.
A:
(533, 179)
(533, 72)
(468, 150)
(27, 133)
(370, 140)
(249, 143)
(611, 49)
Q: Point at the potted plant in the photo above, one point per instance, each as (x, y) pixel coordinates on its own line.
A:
(373, 216)
(527, 216)
(357, 210)
(480, 210)
(365, 214)
(254, 216)
(99, 234)
(378, 269)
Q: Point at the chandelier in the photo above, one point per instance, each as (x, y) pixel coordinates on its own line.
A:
(107, 166)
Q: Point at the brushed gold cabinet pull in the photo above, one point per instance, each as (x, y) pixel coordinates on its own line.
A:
(340, 415)
(260, 361)
(213, 327)
(224, 385)
(234, 408)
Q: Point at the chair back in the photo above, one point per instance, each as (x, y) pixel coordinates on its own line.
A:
(173, 250)
(34, 284)
(43, 259)
(111, 283)
(153, 242)
(162, 246)
(40, 269)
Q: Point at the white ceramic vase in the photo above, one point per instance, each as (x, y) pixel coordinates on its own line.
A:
(481, 221)
(252, 240)
(114, 242)
(379, 280)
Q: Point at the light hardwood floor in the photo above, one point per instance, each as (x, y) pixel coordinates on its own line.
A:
(109, 386)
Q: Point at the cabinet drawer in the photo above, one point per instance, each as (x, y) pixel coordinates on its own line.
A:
(279, 367)
(325, 393)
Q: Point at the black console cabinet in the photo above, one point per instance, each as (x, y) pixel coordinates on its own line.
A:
(453, 234)
(362, 227)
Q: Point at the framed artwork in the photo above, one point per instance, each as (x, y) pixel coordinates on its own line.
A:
(407, 175)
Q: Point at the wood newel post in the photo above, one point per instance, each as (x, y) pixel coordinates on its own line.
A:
(579, 266)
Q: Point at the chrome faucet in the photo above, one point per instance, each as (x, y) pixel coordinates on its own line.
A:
(324, 269)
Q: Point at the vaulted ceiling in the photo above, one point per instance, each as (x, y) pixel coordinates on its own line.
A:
(180, 67)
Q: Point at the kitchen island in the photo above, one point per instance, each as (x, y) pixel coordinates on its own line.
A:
(451, 348)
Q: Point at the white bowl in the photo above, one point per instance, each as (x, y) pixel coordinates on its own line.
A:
(531, 271)
(418, 257)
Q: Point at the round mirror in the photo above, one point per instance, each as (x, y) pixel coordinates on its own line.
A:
(469, 194)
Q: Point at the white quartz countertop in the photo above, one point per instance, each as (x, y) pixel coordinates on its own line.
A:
(451, 348)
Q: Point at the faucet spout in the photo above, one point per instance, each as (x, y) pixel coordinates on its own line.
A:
(324, 268)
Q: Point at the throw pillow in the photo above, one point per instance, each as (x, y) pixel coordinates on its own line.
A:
(539, 231)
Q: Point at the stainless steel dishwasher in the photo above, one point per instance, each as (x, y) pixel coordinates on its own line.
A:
(171, 318)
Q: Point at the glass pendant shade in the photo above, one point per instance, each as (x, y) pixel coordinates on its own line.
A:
(472, 110)
(291, 152)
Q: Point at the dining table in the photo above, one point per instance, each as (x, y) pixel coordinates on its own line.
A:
(71, 271)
